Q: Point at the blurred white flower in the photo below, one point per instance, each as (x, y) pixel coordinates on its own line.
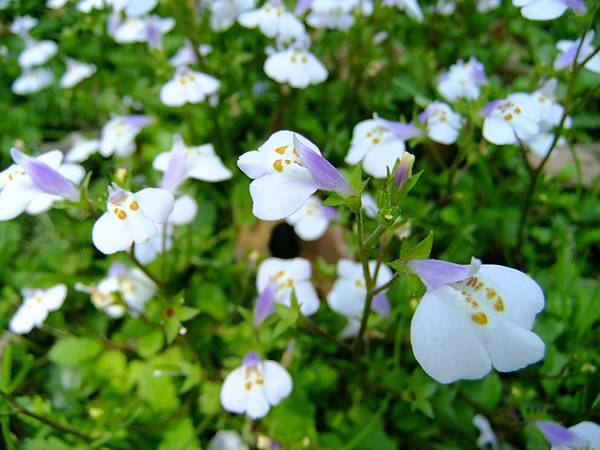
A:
(445, 7)
(583, 436)
(37, 303)
(133, 8)
(56, 4)
(295, 66)
(86, 6)
(568, 51)
(411, 7)
(463, 80)
(76, 72)
(37, 53)
(149, 29)
(548, 9)
(336, 14)
(224, 13)
(22, 24)
(255, 387)
(442, 123)
(512, 119)
(32, 80)
(227, 440)
(369, 205)
(186, 56)
(274, 21)
(486, 433)
(131, 218)
(118, 134)
(474, 317)
(311, 221)
(487, 5)
(188, 86)
(81, 149)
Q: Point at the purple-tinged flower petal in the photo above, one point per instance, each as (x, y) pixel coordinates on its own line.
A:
(175, 173)
(576, 5)
(478, 71)
(566, 58)
(265, 305)
(381, 304)
(403, 131)
(117, 269)
(302, 6)
(324, 173)
(251, 359)
(557, 435)
(404, 171)
(44, 177)
(138, 120)
(435, 273)
(487, 109)
(426, 114)
(331, 213)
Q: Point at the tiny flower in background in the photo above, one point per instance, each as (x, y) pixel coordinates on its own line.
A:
(188, 86)
(583, 436)
(287, 169)
(548, 9)
(442, 123)
(32, 80)
(56, 4)
(487, 5)
(273, 21)
(473, 317)
(76, 72)
(311, 221)
(369, 205)
(149, 29)
(224, 13)
(287, 276)
(22, 24)
(184, 212)
(411, 7)
(463, 80)
(86, 6)
(349, 292)
(186, 55)
(336, 14)
(295, 66)
(445, 7)
(486, 434)
(404, 171)
(255, 387)
(227, 440)
(37, 303)
(118, 134)
(200, 163)
(378, 144)
(32, 185)
(510, 120)
(133, 8)
(124, 289)
(131, 218)
(568, 50)
(81, 149)
(37, 53)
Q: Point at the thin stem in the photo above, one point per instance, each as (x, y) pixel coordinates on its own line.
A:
(140, 266)
(46, 420)
(387, 285)
(364, 259)
(312, 327)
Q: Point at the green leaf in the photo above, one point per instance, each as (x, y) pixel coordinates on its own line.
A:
(73, 351)
(150, 344)
(180, 436)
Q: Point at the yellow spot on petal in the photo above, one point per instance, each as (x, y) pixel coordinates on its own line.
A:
(518, 110)
(499, 305)
(260, 381)
(376, 140)
(491, 293)
(281, 150)
(508, 117)
(121, 214)
(134, 206)
(479, 318)
(278, 166)
(248, 385)
(290, 282)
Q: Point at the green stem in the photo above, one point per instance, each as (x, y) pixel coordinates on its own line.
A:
(364, 259)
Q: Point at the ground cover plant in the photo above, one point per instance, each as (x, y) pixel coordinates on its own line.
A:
(322, 224)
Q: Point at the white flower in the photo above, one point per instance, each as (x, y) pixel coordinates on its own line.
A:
(550, 115)
(445, 7)
(186, 56)
(369, 205)
(32, 80)
(311, 221)
(474, 317)
(224, 13)
(281, 182)
(376, 146)
(188, 86)
(22, 24)
(336, 14)
(227, 440)
(56, 4)
(295, 66)
(123, 289)
(463, 80)
(184, 212)
(349, 292)
(19, 192)
(548, 9)
(76, 72)
(148, 29)
(510, 120)
(411, 7)
(200, 163)
(118, 135)
(255, 387)
(583, 436)
(289, 275)
(568, 51)
(37, 303)
(442, 123)
(86, 6)
(37, 53)
(81, 149)
(134, 8)
(273, 21)
(487, 5)
(486, 433)
(131, 218)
